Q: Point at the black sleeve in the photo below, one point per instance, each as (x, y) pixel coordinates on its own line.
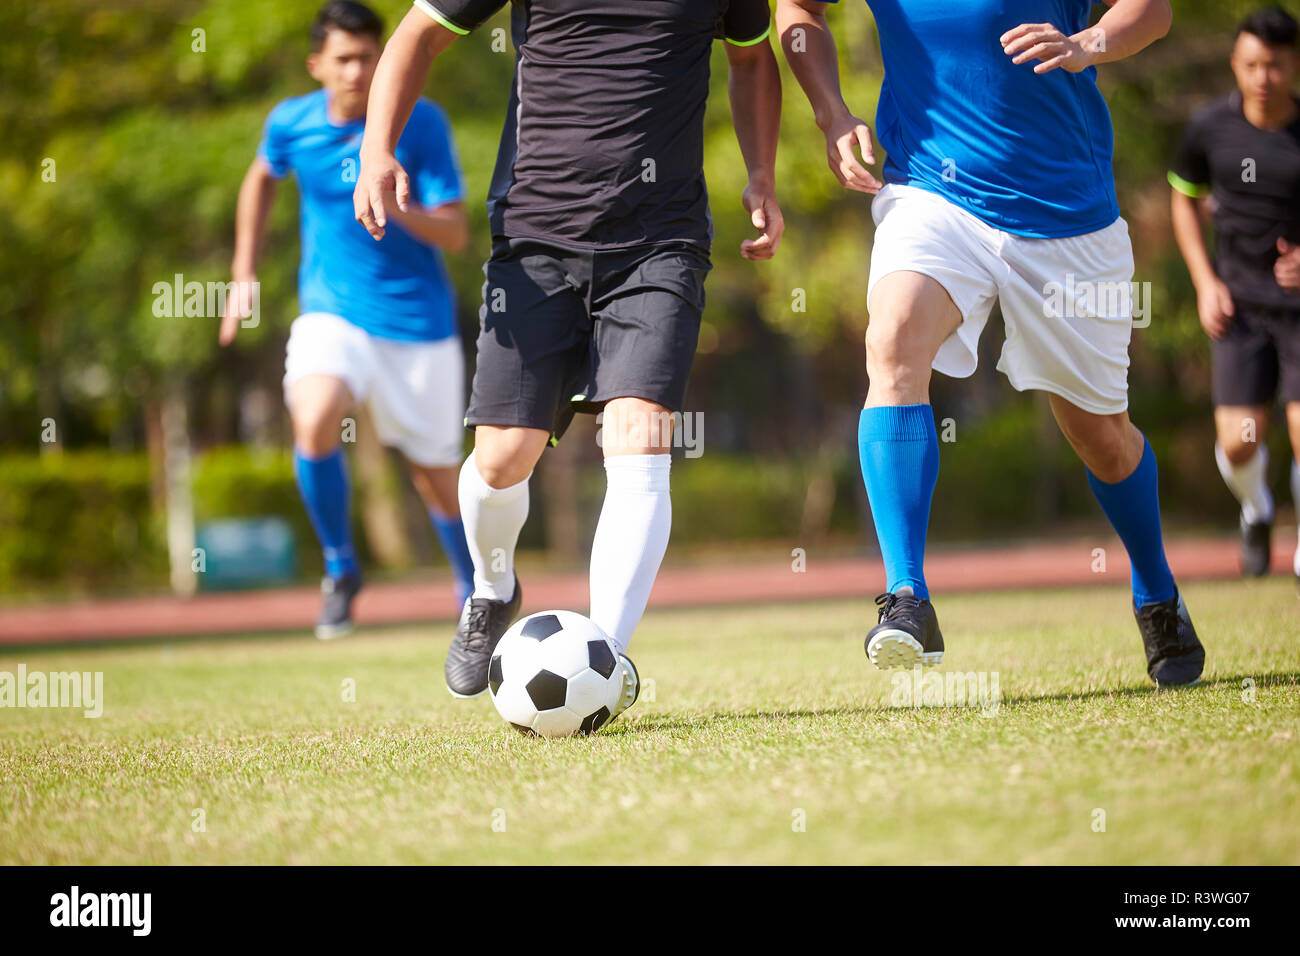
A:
(460, 16)
(745, 22)
(1189, 172)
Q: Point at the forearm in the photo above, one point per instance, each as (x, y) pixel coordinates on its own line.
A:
(754, 86)
(399, 78)
(810, 50)
(253, 209)
(445, 227)
(1128, 27)
(1191, 238)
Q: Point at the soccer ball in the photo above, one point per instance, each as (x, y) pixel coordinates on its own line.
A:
(555, 674)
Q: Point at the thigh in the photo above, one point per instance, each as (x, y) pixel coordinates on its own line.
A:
(647, 305)
(1245, 361)
(1068, 309)
(418, 400)
(921, 234)
(533, 338)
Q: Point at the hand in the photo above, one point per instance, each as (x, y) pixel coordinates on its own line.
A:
(1215, 307)
(238, 307)
(841, 136)
(765, 214)
(1042, 41)
(381, 181)
(1287, 268)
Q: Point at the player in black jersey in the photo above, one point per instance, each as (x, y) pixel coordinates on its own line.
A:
(1240, 157)
(600, 246)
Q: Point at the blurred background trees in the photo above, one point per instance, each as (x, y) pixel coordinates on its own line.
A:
(127, 128)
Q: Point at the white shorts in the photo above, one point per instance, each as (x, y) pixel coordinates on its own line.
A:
(415, 391)
(1067, 304)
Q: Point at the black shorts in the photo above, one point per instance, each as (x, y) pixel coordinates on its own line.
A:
(1258, 358)
(565, 330)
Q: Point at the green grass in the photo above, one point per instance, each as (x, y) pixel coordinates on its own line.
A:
(759, 715)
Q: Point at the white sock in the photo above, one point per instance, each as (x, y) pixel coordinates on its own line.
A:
(1295, 499)
(493, 518)
(631, 538)
(1249, 482)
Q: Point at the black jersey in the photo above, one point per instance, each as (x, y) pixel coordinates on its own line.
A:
(603, 143)
(1253, 176)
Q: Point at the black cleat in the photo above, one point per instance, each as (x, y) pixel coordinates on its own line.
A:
(1256, 548)
(1174, 653)
(907, 635)
(482, 622)
(336, 613)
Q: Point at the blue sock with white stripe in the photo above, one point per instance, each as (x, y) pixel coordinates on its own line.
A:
(899, 453)
(1133, 508)
(451, 532)
(323, 484)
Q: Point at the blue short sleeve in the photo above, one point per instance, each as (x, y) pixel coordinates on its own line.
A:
(274, 148)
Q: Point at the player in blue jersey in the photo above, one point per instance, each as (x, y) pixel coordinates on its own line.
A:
(997, 188)
(378, 322)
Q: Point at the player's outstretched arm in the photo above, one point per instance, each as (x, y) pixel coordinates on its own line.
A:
(396, 87)
(1128, 27)
(256, 194)
(754, 84)
(810, 50)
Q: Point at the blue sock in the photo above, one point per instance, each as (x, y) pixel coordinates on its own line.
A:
(451, 532)
(323, 484)
(1133, 507)
(899, 451)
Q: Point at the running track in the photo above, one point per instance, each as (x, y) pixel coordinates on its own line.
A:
(1068, 564)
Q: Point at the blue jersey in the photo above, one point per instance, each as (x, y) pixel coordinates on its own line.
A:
(1027, 153)
(397, 288)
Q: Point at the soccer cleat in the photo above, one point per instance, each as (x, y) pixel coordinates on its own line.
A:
(631, 687)
(482, 622)
(1256, 548)
(1174, 653)
(336, 613)
(908, 632)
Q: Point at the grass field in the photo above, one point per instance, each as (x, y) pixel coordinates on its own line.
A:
(769, 739)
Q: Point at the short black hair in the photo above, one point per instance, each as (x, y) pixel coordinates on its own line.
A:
(1273, 25)
(348, 16)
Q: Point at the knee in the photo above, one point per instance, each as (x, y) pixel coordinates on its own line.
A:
(506, 457)
(636, 426)
(315, 430)
(1237, 451)
(1112, 447)
(895, 360)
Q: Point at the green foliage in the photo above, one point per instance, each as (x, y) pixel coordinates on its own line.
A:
(78, 521)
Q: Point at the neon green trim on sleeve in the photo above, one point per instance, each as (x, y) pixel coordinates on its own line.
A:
(1190, 190)
(432, 11)
(758, 39)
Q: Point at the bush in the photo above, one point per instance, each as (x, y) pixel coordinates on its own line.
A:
(78, 521)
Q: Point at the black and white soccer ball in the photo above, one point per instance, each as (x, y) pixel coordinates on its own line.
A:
(555, 674)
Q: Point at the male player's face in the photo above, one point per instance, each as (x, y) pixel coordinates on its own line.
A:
(1264, 73)
(345, 66)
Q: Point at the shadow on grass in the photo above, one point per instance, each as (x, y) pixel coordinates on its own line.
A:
(671, 722)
